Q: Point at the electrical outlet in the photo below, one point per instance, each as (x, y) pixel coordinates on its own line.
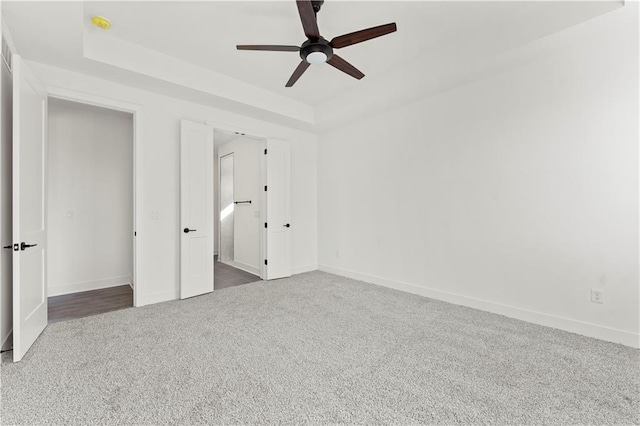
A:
(597, 295)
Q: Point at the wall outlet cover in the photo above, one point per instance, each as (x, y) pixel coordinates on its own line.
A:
(597, 295)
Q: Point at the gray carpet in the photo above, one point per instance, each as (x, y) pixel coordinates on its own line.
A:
(317, 348)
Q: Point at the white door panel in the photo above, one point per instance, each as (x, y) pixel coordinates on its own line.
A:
(278, 210)
(29, 209)
(196, 209)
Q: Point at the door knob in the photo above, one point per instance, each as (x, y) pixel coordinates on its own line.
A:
(288, 225)
(24, 245)
(187, 230)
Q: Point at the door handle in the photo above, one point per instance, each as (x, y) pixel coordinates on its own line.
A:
(24, 245)
(288, 225)
(187, 230)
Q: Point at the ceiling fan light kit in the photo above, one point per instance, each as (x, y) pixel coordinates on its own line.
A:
(317, 49)
(316, 52)
(317, 58)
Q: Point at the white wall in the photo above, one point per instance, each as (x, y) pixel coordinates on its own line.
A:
(516, 194)
(246, 185)
(90, 204)
(158, 238)
(6, 262)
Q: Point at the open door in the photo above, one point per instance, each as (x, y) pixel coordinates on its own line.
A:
(29, 209)
(196, 209)
(278, 217)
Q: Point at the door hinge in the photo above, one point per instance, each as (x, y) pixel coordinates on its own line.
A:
(265, 261)
(265, 151)
(265, 224)
(135, 234)
(265, 187)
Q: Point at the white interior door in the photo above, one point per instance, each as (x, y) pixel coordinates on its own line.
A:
(29, 209)
(278, 217)
(196, 209)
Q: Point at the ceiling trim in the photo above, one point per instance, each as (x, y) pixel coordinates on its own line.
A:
(141, 60)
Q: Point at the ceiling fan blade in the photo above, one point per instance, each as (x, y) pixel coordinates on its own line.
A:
(362, 35)
(344, 66)
(269, 47)
(297, 73)
(308, 18)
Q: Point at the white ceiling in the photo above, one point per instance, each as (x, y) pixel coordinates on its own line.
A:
(222, 137)
(205, 34)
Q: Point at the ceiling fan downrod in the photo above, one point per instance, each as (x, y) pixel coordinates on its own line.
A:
(317, 4)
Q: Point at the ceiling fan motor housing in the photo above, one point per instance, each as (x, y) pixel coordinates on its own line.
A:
(321, 45)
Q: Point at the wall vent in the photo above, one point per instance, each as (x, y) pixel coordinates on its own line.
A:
(6, 53)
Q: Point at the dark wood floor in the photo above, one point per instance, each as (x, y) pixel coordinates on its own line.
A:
(227, 276)
(86, 303)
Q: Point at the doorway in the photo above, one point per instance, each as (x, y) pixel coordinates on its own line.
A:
(90, 210)
(226, 247)
(28, 198)
(266, 238)
(239, 209)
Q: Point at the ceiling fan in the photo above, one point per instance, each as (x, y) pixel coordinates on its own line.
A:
(317, 49)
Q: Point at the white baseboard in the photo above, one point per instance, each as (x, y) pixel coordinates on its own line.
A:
(302, 269)
(59, 290)
(242, 266)
(567, 324)
(7, 342)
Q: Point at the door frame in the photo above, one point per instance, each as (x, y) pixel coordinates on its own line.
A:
(263, 198)
(136, 111)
